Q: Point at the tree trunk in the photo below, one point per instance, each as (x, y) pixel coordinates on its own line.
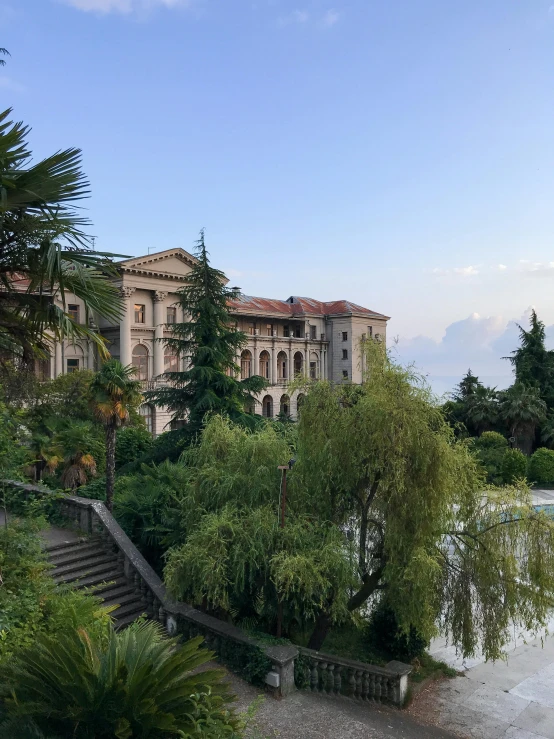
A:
(323, 622)
(110, 465)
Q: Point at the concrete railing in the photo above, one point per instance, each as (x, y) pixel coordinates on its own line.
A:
(323, 673)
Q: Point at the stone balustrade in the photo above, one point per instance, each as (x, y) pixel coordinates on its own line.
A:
(322, 673)
(326, 673)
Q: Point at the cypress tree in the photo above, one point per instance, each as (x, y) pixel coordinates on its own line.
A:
(209, 343)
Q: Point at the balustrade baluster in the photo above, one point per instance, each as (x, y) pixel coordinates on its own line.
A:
(338, 679)
(358, 683)
(365, 686)
(378, 688)
(330, 681)
(322, 676)
(314, 676)
(391, 684)
(351, 682)
(371, 694)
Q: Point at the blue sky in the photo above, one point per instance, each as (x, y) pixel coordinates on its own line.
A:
(399, 154)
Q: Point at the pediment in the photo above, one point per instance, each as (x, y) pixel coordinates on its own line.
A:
(173, 263)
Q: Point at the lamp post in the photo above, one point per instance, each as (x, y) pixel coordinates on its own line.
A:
(284, 469)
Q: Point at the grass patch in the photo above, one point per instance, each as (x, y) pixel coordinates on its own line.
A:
(426, 666)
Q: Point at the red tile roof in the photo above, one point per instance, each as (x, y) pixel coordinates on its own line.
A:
(296, 306)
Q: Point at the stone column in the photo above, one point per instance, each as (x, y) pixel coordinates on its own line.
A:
(273, 373)
(290, 364)
(58, 370)
(125, 352)
(322, 364)
(159, 323)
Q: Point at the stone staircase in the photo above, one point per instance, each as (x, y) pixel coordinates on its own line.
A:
(86, 563)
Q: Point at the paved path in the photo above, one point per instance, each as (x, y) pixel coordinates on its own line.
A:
(306, 715)
(502, 700)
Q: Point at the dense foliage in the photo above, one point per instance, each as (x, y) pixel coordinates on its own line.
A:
(208, 342)
(133, 683)
(30, 603)
(541, 467)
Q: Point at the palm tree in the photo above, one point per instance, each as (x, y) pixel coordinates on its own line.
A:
(77, 446)
(44, 250)
(5, 52)
(133, 683)
(523, 410)
(482, 408)
(113, 393)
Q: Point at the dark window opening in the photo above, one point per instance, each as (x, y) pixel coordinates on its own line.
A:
(139, 313)
(345, 335)
(72, 365)
(345, 353)
(73, 312)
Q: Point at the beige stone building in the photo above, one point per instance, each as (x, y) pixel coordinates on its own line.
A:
(285, 337)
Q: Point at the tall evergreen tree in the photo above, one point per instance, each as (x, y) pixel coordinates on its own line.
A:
(467, 387)
(209, 343)
(533, 363)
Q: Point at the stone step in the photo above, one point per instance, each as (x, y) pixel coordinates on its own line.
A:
(121, 599)
(104, 588)
(63, 557)
(83, 563)
(135, 606)
(122, 623)
(103, 579)
(99, 573)
(117, 590)
(68, 544)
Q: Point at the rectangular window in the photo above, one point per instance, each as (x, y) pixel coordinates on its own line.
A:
(313, 370)
(171, 362)
(251, 328)
(73, 311)
(370, 331)
(269, 329)
(345, 374)
(139, 313)
(42, 369)
(345, 353)
(345, 335)
(72, 365)
(171, 315)
(286, 331)
(297, 333)
(313, 332)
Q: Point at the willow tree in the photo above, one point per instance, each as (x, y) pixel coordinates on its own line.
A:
(430, 536)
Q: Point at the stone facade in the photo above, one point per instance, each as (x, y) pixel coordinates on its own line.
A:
(285, 337)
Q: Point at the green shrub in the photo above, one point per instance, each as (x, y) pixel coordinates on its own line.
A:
(30, 602)
(133, 683)
(541, 467)
(132, 443)
(514, 466)
(386, 637)
(489, 449)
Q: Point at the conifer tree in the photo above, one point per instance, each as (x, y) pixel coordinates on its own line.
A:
(208, 342)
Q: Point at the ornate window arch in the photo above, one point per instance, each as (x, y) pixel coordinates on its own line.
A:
(140, 361)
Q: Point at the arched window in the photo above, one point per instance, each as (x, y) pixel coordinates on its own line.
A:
(282, 366)
(171, 360)
(298, 363)
(264, 365)
(285, 405)
(140, 361)
(245, 365)
(147, 412)
(314, 361)
(267, 406)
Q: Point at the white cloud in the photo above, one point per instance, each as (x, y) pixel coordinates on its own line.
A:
(330, 18)
(466, 271)
(538, 269)
(123, 6)
(476, 342)
(501, 267)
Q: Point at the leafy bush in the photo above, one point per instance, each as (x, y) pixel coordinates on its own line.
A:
(514, 466)
(489, 449)
(30, 602)
(134, 683)
(132, 442)
(386, 637)
(541, 466)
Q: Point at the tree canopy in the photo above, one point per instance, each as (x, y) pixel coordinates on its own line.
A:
(208, 342)
(45, 252)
